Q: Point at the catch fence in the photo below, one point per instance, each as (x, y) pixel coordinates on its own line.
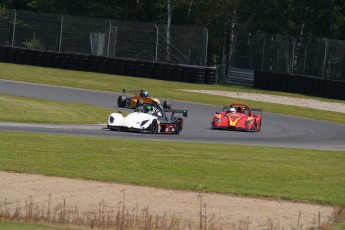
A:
(104, 37)
(319, 57)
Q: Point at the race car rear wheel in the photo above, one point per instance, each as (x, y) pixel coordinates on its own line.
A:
(121, 101)
(166, 105)
(154, 126)
(140, 102)
(178, 127)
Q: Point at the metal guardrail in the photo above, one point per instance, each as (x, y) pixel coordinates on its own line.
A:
(240, 77)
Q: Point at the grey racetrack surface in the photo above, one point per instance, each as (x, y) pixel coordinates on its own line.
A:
(277, 130)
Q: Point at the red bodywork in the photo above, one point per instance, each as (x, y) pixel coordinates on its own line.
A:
(243, 119)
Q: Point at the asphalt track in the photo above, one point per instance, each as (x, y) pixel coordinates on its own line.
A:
(277, 130)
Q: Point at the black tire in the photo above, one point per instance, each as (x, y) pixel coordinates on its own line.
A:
(260, 125)
(166, 105)
(140, 102)
(212, 125)
(121, 101)
(154, 127)
(254, 128)
(178, 127)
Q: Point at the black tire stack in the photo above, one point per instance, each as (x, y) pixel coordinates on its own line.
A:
(120, 66)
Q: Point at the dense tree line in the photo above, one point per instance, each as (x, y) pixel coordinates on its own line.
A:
(317, 18)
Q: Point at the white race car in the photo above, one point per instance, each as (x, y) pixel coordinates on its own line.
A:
(149, 118)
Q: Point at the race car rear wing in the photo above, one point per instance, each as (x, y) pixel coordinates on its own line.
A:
(183, 111)
(256, 111)
(131, 90)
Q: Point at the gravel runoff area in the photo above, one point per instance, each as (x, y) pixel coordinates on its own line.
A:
(303, 102)
(231, 212)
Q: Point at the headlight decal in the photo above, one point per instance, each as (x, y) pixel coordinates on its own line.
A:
(143, 122)
(249, 121)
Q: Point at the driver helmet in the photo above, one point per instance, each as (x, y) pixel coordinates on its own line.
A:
(232, 110)
(148, 109)
(145, 94)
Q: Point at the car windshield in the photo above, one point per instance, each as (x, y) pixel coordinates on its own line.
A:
(154, 110)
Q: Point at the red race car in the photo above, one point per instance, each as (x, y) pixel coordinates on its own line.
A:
(238, 117)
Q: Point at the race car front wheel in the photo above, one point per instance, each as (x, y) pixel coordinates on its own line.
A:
(254, 128)
(154, 127)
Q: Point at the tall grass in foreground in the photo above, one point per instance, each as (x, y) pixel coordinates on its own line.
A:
(122, 218)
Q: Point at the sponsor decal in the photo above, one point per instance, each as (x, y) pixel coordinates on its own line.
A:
(233, 120)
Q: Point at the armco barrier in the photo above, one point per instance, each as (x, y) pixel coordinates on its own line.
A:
(120, 66)
(299, 84)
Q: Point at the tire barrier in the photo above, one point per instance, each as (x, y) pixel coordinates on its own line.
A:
(64, 61)
(210, 75)
(83, 62)
(130, 67)
(168, 72)
(186, 74)
(139, 69)
(198, 75)
(149, 69)
(3, 50)
(46, 59)
(10, 55)
(177, 73)
(92, 63)
(20, 55)
(158, 70)
(121, 67)
(102, 64)
(307, 85)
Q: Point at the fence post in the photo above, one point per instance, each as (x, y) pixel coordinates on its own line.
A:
(293, 54)
(61, 28)
(206, 46)
(305, 55)
(156, 52)
(250, 50)
(263, 52)
(109, 38)
(115, 40)
(324, 58)
(14, 26)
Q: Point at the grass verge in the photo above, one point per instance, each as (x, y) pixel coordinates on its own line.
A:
(291, 174)
(33, 110)
(158, 88)
(25, 226)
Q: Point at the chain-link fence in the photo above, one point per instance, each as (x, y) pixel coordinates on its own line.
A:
(104, 37)
(318, 57)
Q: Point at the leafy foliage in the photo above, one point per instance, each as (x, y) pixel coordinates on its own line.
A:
(34, 43)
